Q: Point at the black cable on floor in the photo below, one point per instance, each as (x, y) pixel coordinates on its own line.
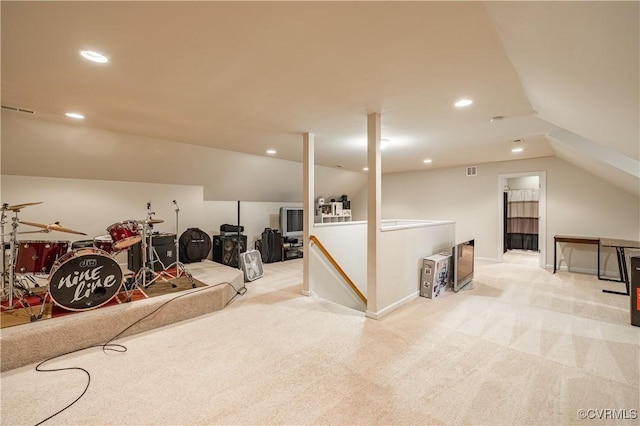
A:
(108, 346)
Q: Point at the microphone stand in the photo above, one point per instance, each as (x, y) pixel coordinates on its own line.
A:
(179, 266)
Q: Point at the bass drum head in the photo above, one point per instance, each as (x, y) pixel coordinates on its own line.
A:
(84, 279)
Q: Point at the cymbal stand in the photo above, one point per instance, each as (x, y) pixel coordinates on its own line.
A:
(145, 270)
(3, 221)
(181, 270)
(153, 254)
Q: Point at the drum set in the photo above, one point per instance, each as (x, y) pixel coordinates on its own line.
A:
(81, 275)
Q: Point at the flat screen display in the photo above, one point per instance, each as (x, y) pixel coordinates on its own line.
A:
(463, 264)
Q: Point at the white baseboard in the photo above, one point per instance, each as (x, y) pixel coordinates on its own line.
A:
(307, 292)
(586, 271)
(392, 307)
(487, 259)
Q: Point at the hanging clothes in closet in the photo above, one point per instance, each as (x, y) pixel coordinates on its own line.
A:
(522, 219)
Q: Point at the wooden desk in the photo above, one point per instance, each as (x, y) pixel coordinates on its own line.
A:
(620, 245)
(574, 240)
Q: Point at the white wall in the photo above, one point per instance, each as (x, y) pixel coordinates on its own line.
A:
(35, 147)
(254, 216)
(578, 203)
(400, 267)
(402, 251)
(91, 206)
(347, 243)
(328, 284)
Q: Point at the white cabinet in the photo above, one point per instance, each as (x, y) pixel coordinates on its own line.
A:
(331, 213)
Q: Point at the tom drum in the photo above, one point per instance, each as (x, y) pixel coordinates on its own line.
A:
(124, 234)
(38, 257)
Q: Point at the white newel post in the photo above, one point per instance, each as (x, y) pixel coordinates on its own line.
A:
(308, 207)
(374, 220)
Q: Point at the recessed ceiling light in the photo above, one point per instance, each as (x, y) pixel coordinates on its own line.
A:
(271, 151)
(463, 103)
(365, 169)
(75, 115)
(516, 150)
(427, 161)
(94, 56)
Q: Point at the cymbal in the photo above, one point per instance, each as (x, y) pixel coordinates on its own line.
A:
(53, 227)
(17, 207)
(154, 221)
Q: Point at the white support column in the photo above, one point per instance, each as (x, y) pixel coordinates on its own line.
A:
(374, 219)
(308, 207)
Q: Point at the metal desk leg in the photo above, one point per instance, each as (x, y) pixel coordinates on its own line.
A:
(555, 247)
(622, 268)
(598, 269)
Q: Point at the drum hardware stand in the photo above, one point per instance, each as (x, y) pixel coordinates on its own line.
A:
(12, 287)
(179, 266)
(140, 278)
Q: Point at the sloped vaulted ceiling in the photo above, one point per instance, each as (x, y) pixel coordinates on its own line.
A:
(579, 65)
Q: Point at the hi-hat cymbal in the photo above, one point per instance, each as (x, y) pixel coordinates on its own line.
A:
(17, 207)
(154, 221)
(53, 227)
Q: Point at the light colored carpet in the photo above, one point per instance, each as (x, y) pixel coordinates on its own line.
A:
(524, 347)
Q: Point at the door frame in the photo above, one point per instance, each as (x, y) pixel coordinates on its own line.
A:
(542, 213)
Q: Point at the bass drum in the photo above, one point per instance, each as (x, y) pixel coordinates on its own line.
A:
(84, 279)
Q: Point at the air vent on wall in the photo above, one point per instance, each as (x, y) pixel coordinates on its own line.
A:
(472, 171)
(17, 109)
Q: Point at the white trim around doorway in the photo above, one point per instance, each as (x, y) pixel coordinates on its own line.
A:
(542, 223)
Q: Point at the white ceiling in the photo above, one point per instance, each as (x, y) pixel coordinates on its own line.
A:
(249, 76)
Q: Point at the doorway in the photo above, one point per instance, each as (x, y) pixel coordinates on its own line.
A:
(521, 217)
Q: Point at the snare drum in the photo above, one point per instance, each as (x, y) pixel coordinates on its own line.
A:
(104, 242)
(81, 244)
(37, 257)
(124, 234)
(84, 279)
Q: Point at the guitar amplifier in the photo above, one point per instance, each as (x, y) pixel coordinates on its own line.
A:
(271, 246)
(225, 248)
(164, 246)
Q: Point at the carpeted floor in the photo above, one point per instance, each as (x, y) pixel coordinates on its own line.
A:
(525, 346)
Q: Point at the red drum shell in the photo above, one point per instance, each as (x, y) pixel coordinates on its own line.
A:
(38, 257)
(104, 242)
(124, 234)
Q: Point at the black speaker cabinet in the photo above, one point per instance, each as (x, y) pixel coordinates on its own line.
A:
(164, 246)
(635, 290)
(225, 248)
(271, 246)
